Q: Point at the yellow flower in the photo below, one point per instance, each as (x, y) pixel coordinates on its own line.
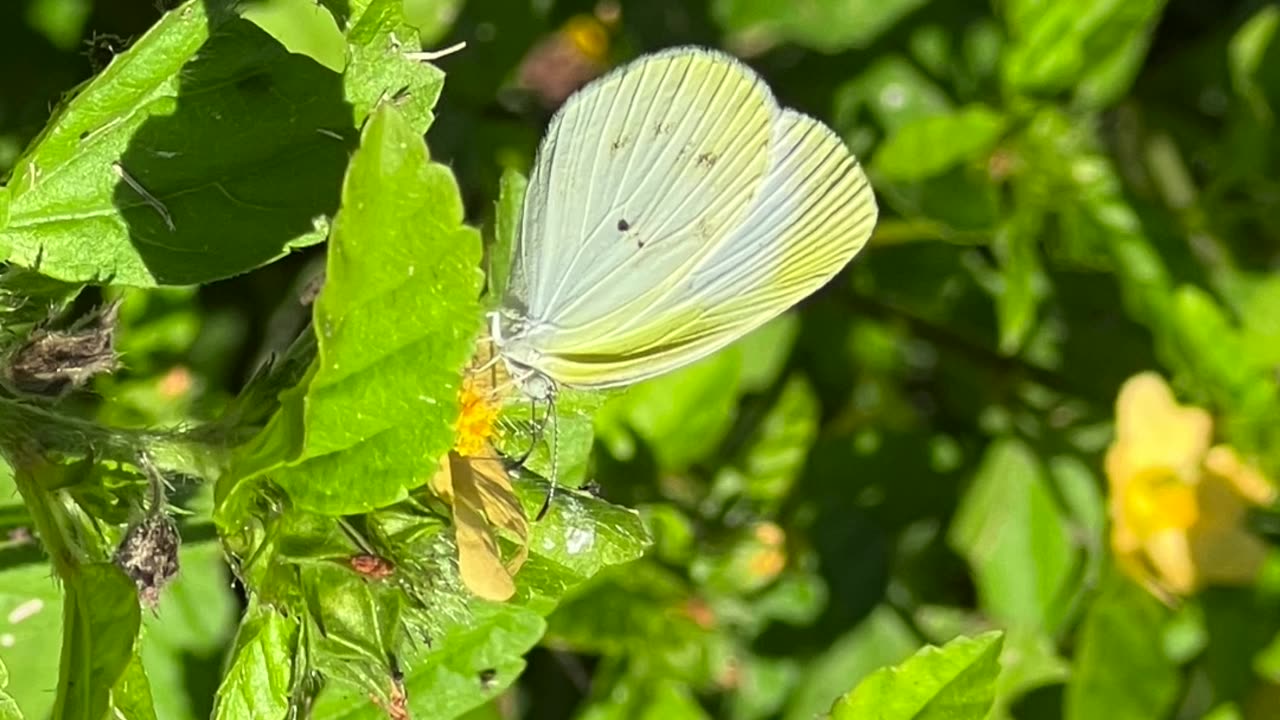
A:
(1177, 505)
(473, 480)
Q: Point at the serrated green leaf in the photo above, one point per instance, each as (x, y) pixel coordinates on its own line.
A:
(455, 673)
(883, 638)
(373, 19)
(1012, 532)
(122, 185)
(1120, 671)
(954, 682)
(379, 72)
(301, 26)
(258, 676)
(395, 324)
(932, 145)
(8, 706)
(101, 618)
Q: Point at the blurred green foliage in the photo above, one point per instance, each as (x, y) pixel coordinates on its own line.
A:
(1071, 193)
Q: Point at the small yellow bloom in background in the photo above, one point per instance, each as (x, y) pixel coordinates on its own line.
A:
(1177, 505)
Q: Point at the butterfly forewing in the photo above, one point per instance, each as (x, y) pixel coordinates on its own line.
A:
(639, 176)
(815, 212)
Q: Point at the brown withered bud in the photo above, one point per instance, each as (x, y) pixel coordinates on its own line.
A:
(311, 290)
(372, 566)
(53, 362)
(149, 554)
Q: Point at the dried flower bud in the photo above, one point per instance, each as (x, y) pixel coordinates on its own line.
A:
(52, 362)
(149, 555)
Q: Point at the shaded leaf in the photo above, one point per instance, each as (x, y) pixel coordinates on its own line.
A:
(122, 184)
(931, 145)
(1120, 669)
(100, 626)
(1013, 534)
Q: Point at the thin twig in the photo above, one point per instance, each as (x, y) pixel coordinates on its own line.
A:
(147, 197)
(430, 55)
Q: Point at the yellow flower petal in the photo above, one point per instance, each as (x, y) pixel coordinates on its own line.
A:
(479, 557)
(1224, 462)
(1170, 555)
(483, 501)
(1153, 430)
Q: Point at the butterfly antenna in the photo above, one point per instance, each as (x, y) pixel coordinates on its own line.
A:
(555, 457)
(536, 431)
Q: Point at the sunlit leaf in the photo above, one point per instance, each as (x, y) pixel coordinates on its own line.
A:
(953, 682)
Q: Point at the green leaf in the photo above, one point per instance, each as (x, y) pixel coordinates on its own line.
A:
(8, 706)
(1121, 672)
(883, 638)
(1096, 45)
(830, 26)
(184, 640)
(101, 618)
(257, 681)
(640, 697)
(638, 610)
(131, 696)
(1252, 48)
(1021, 281)
(1209, 341)
(681, 415)
(454, 673)
(1260, 331)
(301, 26)
(775, 456)
(1012, 532)
(894, 91)
(395, 325)
(205, 150)
(60, 21)
(954, 682)
(932, 145)
(378, 71)
(358, 623)
(30, 623)
(580, 536)
(511, 191)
